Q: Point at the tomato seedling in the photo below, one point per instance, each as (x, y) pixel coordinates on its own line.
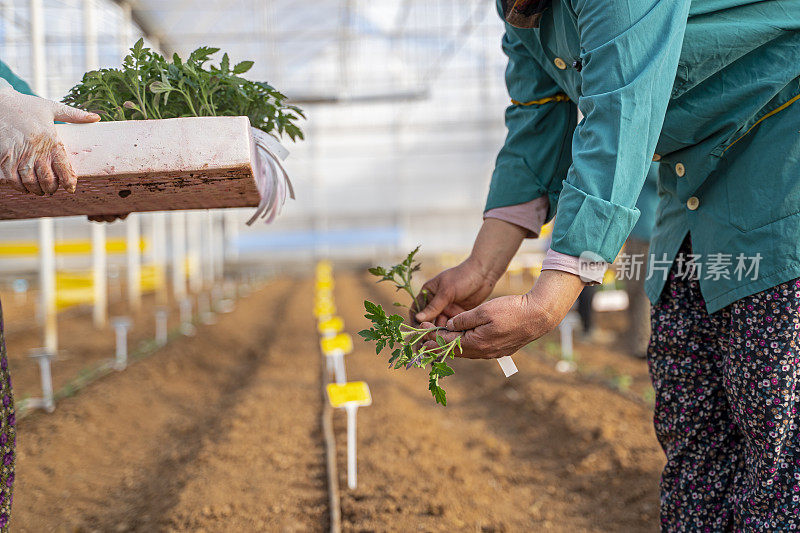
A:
(406, 341)
(150, 87)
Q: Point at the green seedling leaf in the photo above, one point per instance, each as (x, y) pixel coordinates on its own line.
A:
(242, 67)
(161, 88)
(391, 330)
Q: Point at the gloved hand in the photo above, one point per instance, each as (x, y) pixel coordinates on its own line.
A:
(32, 159)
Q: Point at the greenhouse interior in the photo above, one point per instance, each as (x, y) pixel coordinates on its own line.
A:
(225, 226)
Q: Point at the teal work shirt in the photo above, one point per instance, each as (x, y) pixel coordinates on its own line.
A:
(708, 87)
(647, 204)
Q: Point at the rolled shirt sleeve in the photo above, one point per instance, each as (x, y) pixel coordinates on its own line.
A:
(529, 215)
(540, 120)
(629, 51)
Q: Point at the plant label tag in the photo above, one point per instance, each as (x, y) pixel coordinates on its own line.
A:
(340, 344)
(324, 309)
(333, 325)
(270, 143)
(508, 366)
(324, 267)
(324, 284)
(354, 393)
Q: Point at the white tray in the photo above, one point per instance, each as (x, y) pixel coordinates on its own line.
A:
(149, 165)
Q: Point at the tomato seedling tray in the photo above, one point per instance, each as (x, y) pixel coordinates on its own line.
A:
(149, 165)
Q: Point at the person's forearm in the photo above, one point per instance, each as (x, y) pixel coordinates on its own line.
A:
(496, 244)
(552, 296)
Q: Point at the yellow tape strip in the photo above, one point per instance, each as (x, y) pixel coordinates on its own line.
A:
(765, 117)
(560, 97)
(22, 248)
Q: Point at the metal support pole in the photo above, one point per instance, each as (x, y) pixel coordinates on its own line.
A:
(133, 249)
(47, 257)
(99, 259)
(90, 34)
(38, 55)
(125, 34)
(8, 22)
(179, 255)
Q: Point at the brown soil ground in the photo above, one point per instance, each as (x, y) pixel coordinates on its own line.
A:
(542, 451)
(221, 432)
(82, 348)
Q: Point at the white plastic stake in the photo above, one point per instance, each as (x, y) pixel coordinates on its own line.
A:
(159, 255)
(565, 328)
(231, 235)
(134, 261)
(187, 328)
(339, 368)
(352, 471)
(204, 309)
(507, 365)
(121, 325)
(47, 283)
(567, 363)
(194, 241)
(211, 249)
(99, 276)
(43, 357)
(161, 326)
(178, 219)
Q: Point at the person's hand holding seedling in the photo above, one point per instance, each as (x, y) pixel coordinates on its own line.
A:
(408, 342)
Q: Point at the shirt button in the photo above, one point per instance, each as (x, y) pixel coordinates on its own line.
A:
(693, 203)
(680, 170)
(560, 63)
(656, 157)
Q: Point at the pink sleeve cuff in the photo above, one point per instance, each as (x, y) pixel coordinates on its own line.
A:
(530, 215)
(590, 273)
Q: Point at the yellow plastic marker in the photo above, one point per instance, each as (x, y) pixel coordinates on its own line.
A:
(323, 293)
(331, 326)
(341, 343)
(325, 296)
(353, 393)
(334, 349)
(324, 309)
(324, 284)
(324, 267)
(350, 396)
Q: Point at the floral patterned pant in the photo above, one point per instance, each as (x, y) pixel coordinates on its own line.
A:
(8, 435)
(726, 408)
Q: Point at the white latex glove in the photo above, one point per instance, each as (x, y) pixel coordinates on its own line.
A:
(32, 158)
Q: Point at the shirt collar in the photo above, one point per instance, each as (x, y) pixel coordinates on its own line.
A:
(524, 13)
